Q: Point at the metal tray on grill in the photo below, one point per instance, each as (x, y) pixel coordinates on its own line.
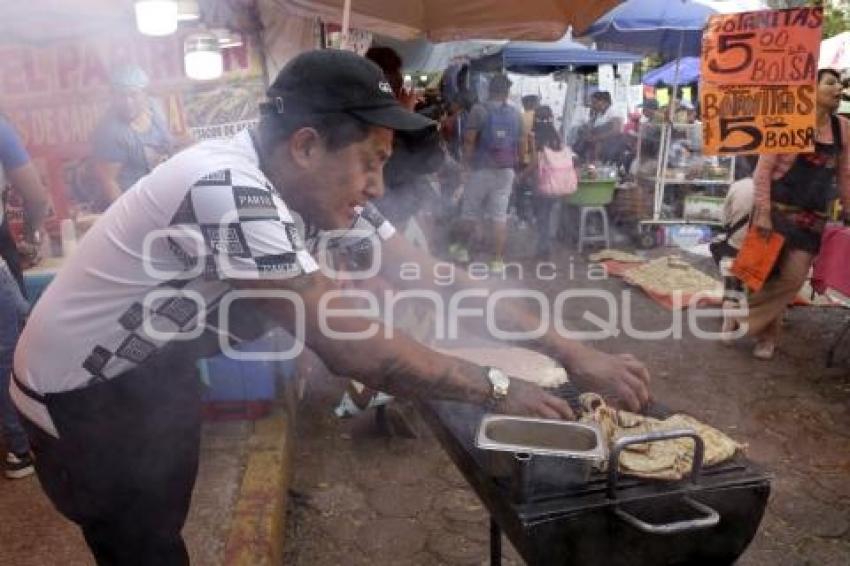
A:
(539, 453)
(542, 437)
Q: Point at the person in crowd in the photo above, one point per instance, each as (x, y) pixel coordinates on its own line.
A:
(650, 112)
(491, 155)
(523, 192)
(132, 137)
(792, 195)
(18, 171)
(735, 220)
(601, 138)
(416, 156)
(211, 247)
(549, 149)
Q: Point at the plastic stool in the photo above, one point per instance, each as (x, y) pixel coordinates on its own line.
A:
(583, 236)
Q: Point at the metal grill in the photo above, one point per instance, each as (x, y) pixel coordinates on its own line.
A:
(633, 522)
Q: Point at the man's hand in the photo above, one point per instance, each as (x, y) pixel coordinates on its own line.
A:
(527, 399)
(622, 379)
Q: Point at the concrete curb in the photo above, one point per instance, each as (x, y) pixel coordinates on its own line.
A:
(256, 534)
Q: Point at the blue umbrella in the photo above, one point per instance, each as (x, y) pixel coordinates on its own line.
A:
(670, 27)
(689, 70)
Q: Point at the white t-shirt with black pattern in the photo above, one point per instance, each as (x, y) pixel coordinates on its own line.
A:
(163, 253)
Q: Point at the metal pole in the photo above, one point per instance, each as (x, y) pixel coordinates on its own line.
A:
(668, 129)
(346, 24)
(495, 543)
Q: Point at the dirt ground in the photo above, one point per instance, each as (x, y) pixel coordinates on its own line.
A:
(362, 498)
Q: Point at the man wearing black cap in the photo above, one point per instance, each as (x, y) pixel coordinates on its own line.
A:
(206, 250)
(650, 112)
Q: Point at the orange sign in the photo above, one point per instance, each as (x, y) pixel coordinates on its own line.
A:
(757, 88)
(770, 47)
(758, 119)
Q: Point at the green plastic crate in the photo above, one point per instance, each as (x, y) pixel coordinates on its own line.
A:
(593, 193)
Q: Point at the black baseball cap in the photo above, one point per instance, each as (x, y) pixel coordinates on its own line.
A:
(340, 82)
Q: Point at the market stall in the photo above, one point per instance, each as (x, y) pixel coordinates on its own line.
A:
(688, 188)
(670, 154)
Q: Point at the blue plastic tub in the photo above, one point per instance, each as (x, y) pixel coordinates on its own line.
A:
(229, 379)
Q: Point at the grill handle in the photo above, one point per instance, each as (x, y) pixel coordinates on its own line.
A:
(710, 517)
(622, 443)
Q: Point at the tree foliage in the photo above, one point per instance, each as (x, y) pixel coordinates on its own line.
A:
(837, 16)
(837, 13)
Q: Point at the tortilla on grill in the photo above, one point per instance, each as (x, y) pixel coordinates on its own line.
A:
(664, 460)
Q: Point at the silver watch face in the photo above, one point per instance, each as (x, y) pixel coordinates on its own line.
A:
(500, 382)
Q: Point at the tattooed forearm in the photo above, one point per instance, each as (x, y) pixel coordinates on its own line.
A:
(449, 378)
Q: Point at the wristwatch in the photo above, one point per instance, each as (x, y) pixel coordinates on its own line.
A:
(499, 383)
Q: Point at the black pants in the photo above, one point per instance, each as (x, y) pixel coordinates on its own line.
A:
(125, 463)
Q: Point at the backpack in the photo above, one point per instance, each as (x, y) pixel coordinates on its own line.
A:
(556, 173)
(497, 146)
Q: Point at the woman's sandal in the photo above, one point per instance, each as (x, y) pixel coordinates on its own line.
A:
(764, 350)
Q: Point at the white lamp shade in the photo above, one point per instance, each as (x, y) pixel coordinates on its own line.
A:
(156, 17)
(202, 58)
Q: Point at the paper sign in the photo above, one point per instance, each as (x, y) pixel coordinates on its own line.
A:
(758, 119)
(662, 95)
(769, 47)
(757, 88)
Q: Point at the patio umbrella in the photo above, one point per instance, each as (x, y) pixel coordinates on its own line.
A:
(689, 70)
(448, 20)
(835, 52)
(669, 27)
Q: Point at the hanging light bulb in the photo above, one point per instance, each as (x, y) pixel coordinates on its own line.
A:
(156, 17)
(202, 57)
(188, 10)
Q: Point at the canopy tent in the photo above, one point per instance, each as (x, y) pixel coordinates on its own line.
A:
(835, 52)
(537, 57)
(420, 55)
(689, 71)
(38, 21)
(449, 20)
(42, 21)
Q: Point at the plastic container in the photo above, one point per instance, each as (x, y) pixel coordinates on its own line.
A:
(244, 389)
(35, 284)
(704, 208)
(684, 236)
(593, 193)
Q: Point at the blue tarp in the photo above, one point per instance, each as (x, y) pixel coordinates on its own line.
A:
(689, 68)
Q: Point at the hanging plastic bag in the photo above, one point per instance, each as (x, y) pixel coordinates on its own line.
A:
(757, 257)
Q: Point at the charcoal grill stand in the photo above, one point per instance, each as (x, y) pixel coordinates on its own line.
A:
(571, 528)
